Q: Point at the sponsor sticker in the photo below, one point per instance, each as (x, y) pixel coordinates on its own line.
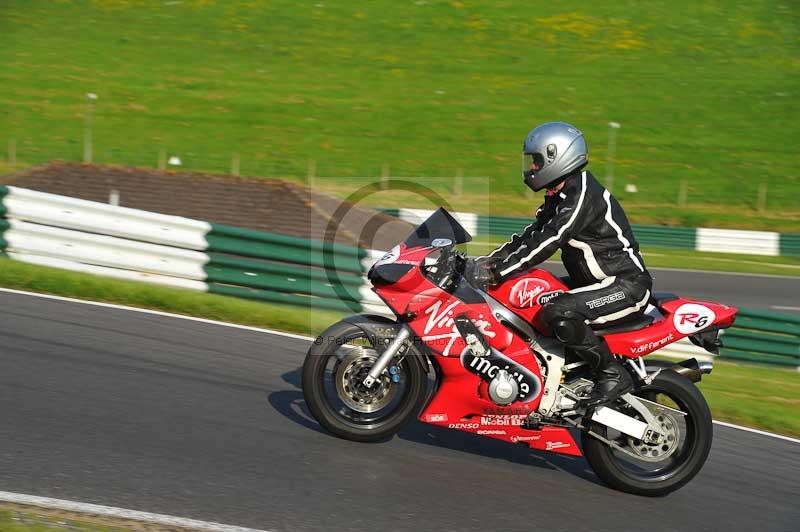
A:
(556, 445)
(487, 368)
(691, 318)
(549, 296)
(535, 437)
(503, 421)
(435, 418)
(526, 292)
(605, 300)
(493, 431)
(652, 346)
(463, 426)
(390, 256)
(441, 326)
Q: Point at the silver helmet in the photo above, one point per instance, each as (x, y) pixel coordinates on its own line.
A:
(552, 151)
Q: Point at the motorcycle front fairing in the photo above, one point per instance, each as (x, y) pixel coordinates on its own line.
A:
(403, 280)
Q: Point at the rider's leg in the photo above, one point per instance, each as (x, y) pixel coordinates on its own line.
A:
(605, 302)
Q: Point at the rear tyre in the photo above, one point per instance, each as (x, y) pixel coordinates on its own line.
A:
(660, 469)
(332, 375)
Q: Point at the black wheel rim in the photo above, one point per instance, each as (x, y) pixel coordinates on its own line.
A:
(344, 396)
(649, 465)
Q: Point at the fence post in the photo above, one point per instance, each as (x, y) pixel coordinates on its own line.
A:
(385, 177)
(235, 164)
(87, 131)
(12, 152)
(683, 193)
(762, 196)
(612, 148)
(312, 172)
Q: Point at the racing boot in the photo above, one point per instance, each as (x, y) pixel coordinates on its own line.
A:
(612, 380)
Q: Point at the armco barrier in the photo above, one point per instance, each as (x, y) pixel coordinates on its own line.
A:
(790, 245)
(92, 237)
(667, 237)
(763, 336)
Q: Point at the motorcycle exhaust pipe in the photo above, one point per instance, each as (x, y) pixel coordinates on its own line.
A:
(692, 369)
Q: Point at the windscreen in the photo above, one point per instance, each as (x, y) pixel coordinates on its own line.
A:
(437, 230)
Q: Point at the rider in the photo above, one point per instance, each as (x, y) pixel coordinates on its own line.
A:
(582, 218)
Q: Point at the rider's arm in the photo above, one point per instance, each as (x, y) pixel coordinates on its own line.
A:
(571, 215)
(543, 214)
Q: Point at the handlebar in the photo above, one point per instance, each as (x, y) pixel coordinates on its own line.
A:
(450, 263)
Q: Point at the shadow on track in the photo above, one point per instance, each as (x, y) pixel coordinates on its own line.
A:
(291, 404)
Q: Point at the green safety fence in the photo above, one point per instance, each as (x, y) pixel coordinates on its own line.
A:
(279, 268)
(670, 237)
(3, 193)
(648, 235)
(765, 337)
(790, 245)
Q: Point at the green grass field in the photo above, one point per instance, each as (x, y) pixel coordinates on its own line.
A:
(705, 93)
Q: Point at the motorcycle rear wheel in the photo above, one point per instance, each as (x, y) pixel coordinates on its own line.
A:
(648, 475)
(332, 375)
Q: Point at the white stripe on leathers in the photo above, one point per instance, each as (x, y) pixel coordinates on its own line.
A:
(588, 256)
(554, 238)
(624, 312)
(498, 248)
(597, 286)
(612, 223)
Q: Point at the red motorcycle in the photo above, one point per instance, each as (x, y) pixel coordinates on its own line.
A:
(498, 372)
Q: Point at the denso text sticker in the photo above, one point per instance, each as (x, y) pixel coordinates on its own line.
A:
(691, 318)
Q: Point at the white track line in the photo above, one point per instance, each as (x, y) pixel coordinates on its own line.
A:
(780, 307)
(285, 334)
(157, 313)
(120, 513)
(756, 431)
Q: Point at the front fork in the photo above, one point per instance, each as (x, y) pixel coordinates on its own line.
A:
(388, 354)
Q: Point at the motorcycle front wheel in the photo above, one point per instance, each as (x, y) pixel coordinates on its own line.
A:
(333, 374)
(655, 470)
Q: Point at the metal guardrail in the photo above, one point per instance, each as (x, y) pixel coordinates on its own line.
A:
(765, 337)
(278, 268)
(790, 245)
(91, 237)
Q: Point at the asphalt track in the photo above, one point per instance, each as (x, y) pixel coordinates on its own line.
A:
(197, 420)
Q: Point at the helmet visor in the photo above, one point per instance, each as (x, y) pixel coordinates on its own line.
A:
(532, 162)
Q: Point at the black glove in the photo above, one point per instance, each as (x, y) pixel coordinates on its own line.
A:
(480, 273)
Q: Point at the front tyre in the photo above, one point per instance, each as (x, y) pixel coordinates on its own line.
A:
(656, 470)
(333, 373)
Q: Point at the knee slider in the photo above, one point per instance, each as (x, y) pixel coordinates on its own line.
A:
(568, 330)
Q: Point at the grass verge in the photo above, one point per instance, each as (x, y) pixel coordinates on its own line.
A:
(23, 276)
(761, 397)
(20, 518)
(755, 396)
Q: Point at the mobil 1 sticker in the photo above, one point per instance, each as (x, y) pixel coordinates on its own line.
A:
(691, 318)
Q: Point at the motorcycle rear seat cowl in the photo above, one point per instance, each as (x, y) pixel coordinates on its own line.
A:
(638, 322)
(634, 324)
(659, 298)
